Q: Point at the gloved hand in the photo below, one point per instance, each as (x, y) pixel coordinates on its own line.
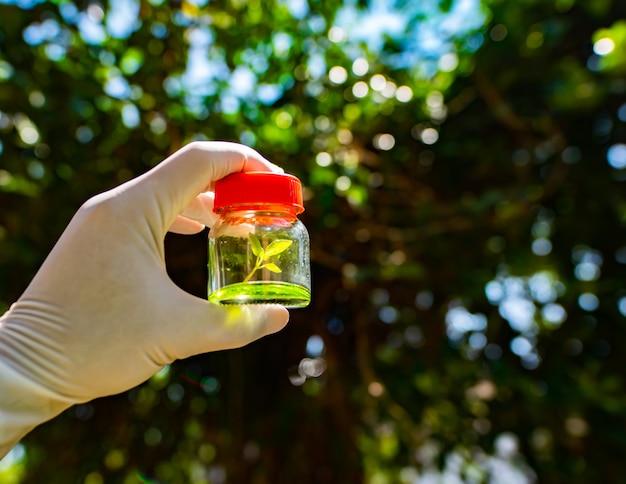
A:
(101, 315)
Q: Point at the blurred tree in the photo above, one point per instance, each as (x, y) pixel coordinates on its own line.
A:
(464, 164)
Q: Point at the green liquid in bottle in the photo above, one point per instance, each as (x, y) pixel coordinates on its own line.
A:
(263, 292)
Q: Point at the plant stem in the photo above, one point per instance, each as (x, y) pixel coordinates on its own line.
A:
(257, 266)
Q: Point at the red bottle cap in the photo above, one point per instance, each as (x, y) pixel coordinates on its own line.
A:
(252, 190)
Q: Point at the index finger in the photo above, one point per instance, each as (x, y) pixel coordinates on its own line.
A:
(208, 161)
(175, 182)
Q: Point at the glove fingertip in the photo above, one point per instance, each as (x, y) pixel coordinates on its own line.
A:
(276, 319)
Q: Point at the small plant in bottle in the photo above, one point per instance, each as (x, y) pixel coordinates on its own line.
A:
(259, 250)
(263, 255)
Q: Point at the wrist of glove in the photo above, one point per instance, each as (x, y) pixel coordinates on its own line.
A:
(25, 405)
(101, 314)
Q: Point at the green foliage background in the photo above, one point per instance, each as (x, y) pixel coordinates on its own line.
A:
(468, 243)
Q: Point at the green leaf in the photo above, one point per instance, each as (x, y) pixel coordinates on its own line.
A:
(255, 244)
(272, 267)
(276, 247)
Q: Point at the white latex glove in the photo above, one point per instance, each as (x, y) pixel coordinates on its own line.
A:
(102, 315)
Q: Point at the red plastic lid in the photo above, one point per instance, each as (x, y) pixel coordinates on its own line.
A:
(251, 189)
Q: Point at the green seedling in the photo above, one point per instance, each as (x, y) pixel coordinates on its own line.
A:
(276, 247)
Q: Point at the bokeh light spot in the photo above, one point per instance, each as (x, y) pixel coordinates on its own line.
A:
(6, 70)
(493, 351)
(616, 156)
(323, 159)
(114, 459)
(448, 62)
(541, 246)
(210, 385)
(534, 40)
(588, 301)
(378, 82)
(360, 89)
(404, 94)
(384, 141)
(621, 305)
(375, 389)
(338, 75)
(312, 367)
(336, 34)
(36, 99)
(554, 314)
(388, 314)
(477, 341)
(587, 271)
(429, 136)
(360, 67)
(84, 134)
(498, 32)
(343, 183)
(576, 427)
(175, 392)
(315, 346)
(424, 300)
(284, 120)
(604, 46)
(521, 346)
(152, 436)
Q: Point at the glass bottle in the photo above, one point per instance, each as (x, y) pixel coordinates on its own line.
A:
(259, 249)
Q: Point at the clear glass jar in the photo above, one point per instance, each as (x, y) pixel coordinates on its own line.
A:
(259, 249)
